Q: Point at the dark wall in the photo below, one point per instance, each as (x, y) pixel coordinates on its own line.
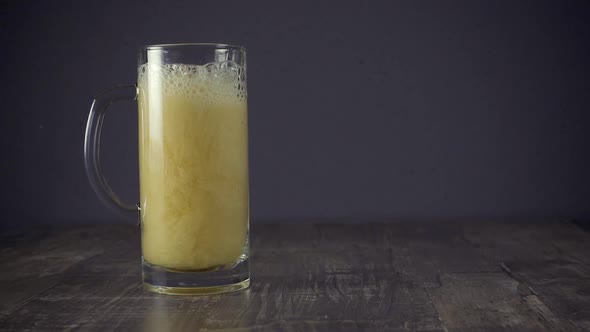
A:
(373, 109)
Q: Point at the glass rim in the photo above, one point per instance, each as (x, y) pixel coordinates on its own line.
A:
(173, 45)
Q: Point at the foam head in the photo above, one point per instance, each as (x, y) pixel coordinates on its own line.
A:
(217, 82)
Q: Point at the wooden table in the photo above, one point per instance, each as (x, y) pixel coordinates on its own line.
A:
(312, 277)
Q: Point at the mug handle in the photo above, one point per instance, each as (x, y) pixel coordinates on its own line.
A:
(98, 110)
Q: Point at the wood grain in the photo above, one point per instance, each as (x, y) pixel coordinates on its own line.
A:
(312, 277)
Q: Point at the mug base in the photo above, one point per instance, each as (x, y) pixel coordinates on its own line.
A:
(197, 290)
(160, 280)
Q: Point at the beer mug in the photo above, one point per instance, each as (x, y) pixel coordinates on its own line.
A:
(193, 166)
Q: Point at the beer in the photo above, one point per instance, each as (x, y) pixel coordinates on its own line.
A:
(193, 159)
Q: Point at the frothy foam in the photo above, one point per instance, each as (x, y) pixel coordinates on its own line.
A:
(217, 82)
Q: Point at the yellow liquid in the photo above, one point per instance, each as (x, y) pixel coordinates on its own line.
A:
(193, 159)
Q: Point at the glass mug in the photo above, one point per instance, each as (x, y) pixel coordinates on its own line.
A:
(193, 166)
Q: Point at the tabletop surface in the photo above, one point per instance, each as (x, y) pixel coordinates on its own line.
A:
(444, 276)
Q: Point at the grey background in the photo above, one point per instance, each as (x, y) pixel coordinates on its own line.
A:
(399, 110)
